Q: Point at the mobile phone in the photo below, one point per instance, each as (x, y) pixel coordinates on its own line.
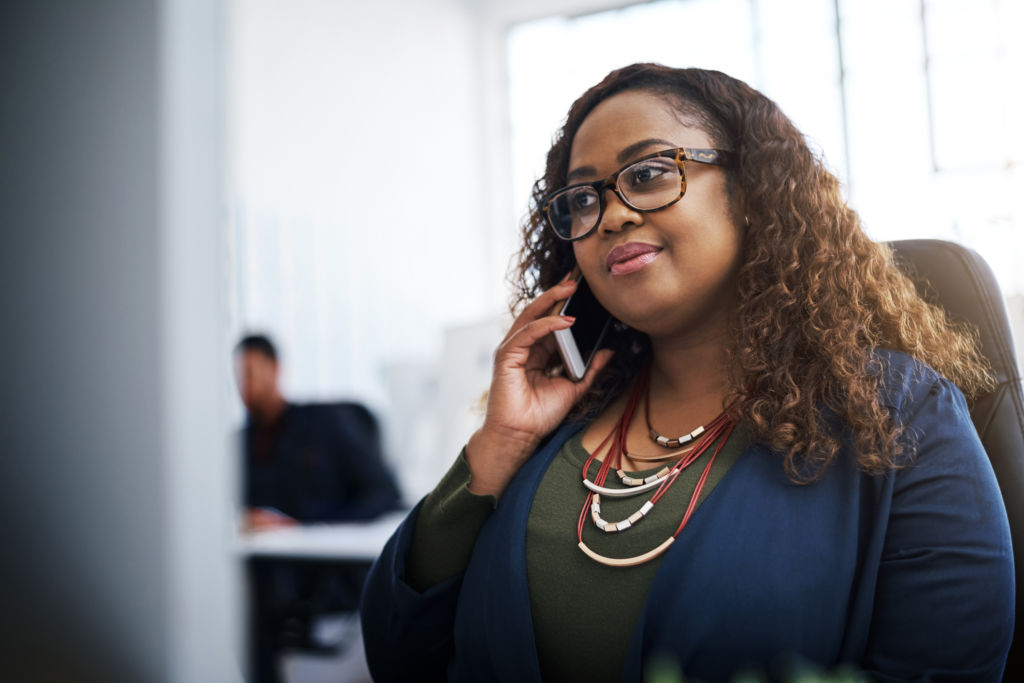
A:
(579, 343)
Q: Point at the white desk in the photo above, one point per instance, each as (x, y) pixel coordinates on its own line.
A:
(346, 541)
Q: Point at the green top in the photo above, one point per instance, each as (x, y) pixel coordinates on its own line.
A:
(583, 612)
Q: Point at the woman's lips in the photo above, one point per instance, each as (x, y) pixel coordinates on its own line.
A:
(630, 257)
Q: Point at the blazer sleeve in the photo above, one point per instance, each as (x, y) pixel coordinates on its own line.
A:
(944, 598)
(411, 593)
(407, 634)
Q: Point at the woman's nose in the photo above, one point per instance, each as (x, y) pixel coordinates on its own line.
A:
(617, 215)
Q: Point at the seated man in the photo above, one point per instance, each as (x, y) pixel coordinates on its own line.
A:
(302, 464)
(306, 463)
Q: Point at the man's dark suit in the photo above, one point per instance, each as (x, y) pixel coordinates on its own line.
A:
(316, 463)
(319, 463)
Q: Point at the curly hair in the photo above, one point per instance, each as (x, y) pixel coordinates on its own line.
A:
(815, 294)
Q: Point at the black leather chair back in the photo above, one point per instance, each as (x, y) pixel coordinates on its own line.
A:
(960, 281)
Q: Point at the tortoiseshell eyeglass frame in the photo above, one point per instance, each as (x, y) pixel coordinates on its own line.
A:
(714, 157)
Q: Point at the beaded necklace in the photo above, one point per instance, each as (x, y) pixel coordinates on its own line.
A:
(662, 481)
(664, 441)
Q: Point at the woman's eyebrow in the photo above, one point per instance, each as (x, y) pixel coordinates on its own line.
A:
(581, 172)
(637, 147)
(625, 155)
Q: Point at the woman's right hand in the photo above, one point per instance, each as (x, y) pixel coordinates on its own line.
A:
(524, 402)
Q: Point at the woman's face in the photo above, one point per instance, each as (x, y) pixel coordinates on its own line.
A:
(680, 280)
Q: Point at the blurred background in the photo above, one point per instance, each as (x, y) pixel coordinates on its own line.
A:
(349, 178)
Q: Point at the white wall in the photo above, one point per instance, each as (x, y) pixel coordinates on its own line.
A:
(362, 217)
(357, 173)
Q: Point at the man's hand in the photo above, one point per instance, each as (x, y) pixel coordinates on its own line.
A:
(261, 519)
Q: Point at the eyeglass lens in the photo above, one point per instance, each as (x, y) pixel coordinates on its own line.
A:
(647, 185)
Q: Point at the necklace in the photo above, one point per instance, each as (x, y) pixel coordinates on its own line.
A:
(657, 438)
(718, 429)
(659, 457)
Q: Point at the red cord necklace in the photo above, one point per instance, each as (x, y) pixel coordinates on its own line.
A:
(721, 426)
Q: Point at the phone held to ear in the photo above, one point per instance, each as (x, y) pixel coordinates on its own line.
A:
(579, 343)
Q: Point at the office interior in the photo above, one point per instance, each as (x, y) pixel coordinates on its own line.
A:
(177, 172)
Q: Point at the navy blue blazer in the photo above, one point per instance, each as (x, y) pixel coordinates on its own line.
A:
(907, 575)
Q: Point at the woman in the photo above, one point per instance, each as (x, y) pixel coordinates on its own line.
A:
(770, 465)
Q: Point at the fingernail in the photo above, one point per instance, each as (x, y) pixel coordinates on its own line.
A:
(569, 318)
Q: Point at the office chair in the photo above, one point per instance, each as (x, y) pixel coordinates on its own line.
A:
(960, 281)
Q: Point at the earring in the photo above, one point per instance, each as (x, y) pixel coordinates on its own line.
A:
(746, 221)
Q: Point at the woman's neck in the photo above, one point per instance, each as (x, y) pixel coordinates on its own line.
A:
(689, 382)
(689, 372)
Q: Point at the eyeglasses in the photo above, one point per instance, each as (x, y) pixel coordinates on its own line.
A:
(649, 184)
